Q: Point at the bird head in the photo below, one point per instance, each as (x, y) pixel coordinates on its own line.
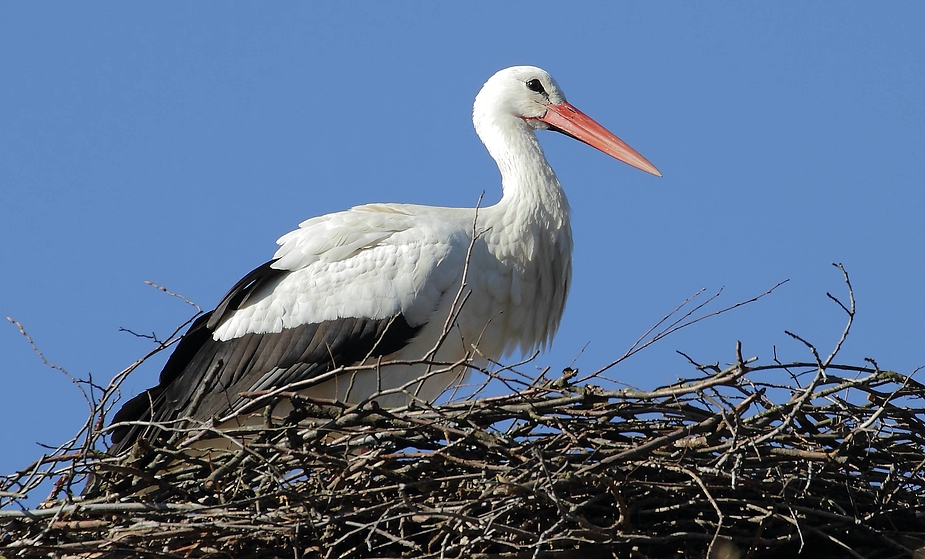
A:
(530, 95)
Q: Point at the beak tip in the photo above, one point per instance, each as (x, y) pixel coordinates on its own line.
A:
(644, 165)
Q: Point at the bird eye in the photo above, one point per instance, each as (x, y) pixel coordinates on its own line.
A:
(535, 85)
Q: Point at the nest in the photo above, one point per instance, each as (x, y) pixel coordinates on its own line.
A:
(750, 460)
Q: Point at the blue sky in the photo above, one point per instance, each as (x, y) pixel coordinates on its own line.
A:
(175, 145)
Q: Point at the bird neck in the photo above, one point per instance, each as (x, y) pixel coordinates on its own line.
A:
(528, 182)
(529, 236)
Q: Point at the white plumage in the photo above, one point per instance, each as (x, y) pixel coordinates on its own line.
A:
(371, 265)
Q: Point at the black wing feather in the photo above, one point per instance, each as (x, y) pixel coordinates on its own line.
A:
(202, 377)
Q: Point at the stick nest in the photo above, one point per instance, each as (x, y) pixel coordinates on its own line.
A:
(710, 466)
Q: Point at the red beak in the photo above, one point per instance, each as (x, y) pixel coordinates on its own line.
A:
(567, 119)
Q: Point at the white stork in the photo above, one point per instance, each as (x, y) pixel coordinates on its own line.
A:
(377, 283)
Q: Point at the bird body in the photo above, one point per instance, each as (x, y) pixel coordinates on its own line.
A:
(397, 282)
(380, 260)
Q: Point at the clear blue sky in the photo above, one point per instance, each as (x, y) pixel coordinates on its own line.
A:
(139, 142)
